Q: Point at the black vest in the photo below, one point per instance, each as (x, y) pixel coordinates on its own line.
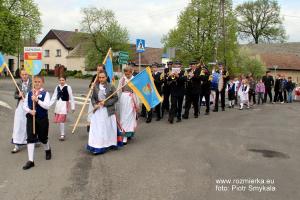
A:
(63, 94)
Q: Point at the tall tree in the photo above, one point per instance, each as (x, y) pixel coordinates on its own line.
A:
(103, 32)
(198, 32)
(260, 20)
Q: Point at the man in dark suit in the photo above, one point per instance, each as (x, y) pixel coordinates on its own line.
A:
(268, 80)
(192, 91)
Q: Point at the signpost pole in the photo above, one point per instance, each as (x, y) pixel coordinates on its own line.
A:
(139, 62)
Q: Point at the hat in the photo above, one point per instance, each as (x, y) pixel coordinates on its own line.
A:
(170, 63)
(155, 64)
(193, 62)
(177, 62)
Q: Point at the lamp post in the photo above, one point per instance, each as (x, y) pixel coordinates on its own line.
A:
(275, 68)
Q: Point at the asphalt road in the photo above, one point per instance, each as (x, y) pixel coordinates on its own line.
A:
(182, 161)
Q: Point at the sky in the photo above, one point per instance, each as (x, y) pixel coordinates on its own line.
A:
(144, 19)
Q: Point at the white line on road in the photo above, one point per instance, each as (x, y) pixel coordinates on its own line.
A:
(5, 105)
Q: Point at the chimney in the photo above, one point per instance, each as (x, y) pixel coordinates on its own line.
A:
(76, 30)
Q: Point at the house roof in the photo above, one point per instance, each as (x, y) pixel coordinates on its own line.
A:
(285, 56)
(80, 50)
(150, 56)
(64, 37)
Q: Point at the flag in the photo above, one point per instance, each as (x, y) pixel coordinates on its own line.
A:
(143, 86)
(109, 68)
(2, 62)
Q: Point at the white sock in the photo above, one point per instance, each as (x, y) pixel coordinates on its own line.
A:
(124, 139)
(30, 150)
(17, 147)
(46, 146)
(62, 128)
(232, 103)
(229, 103)
(242, 105)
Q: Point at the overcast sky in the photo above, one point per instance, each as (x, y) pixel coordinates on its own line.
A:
(146, 19)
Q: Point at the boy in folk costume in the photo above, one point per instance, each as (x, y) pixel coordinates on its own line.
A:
(244, 94)
(128, 106)
(19, 136)
(63, 96)
(41, 99)
(103, 128)
(231, 92)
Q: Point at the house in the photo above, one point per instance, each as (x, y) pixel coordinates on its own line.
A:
(59, 49)
(280, 58)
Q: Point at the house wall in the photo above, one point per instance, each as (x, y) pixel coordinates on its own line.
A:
(53, 60)
(76, 63)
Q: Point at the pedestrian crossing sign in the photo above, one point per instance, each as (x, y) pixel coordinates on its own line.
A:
(140, 45)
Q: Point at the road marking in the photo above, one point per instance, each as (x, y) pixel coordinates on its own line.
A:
(5, 105)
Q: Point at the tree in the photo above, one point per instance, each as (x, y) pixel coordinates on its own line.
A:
(102, 31)
(261, 21)
(198, 33)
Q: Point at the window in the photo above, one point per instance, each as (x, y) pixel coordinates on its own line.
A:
(47, 67)
(47, 53)
(58, 53)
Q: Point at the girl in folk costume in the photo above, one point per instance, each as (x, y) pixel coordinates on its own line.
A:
(128, 106)
(103, 127)
(63, 96)
(244, 94)
(19, 136)
(231, 92)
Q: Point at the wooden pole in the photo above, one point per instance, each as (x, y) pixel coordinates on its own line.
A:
(33, 107)
(88, 95)
(12, 77)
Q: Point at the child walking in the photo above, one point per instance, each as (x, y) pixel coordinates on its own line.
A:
(260, 90)
(244, 94)
(41, 99)
(231, 92)
(63, 96)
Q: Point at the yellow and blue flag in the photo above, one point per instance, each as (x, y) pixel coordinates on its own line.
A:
(109, 68)
(143, 86)
(2, 62)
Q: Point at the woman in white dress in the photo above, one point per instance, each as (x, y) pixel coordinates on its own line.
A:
(103, 127)
(128, 106)
(63, 96)
(19, 135)
(243, 93)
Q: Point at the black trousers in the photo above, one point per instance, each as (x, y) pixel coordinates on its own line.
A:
(222, 94)
(252, 95)
(176, 107)
(189, 100)
(41, 129)
(268, 93)
(206, 95)
(166, 101)
(285, 95)
(157, 110)
(278, 96)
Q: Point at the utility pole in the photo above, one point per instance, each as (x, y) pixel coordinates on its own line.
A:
(218, 31)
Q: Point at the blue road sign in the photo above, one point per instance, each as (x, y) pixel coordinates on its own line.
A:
(140, 45)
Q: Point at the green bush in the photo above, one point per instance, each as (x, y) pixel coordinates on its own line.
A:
(44, 72)
(78, 75)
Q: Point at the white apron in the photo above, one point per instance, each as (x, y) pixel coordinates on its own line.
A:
(127, 111)
(19, 131)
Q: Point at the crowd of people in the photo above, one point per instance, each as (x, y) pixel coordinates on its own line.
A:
(113, 116)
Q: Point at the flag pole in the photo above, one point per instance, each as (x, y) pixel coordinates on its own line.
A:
(12, 77)
(88, 95)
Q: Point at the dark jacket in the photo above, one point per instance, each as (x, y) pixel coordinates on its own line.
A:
(290, 86)
(158, 82)
(279, 85)
(177, 85)
(193, 84)
(110, 103)
(268, 81)
(205, 81)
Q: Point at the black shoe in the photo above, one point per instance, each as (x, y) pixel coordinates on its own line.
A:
(148, 120)
(223, 109)
(196, 116)
(158, 119)
(48, 154)
(185, 116)
(28, 165)
(178, 120)
(215, 110)
(171, 121)
(88, 128)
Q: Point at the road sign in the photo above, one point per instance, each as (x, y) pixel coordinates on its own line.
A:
(140, 45)
(123, 57)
